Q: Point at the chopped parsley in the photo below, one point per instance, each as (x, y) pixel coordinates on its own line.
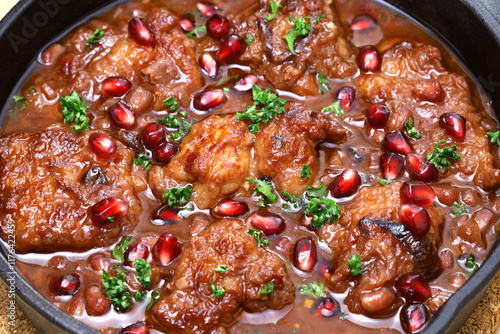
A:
(324, 85)
(300, 28)
(335, 108)
(355, 265)
(383, 182)
(116, 291)
(258, 237)
(94, 38)
(155, 296)
(111, 219)
(314, 290)
(18, 99)
(460, 208)
(172, 103)
(265, 191)
(178, 197)
(175, 122)
(271, 106)
(120, 248)
(266, 290)
(143, 272)
(33, 90)
(411, 130)
(140, 295)
(471, 264)
(218, 293)
(323, 211)
(221, 268)
(197, 32)
(144, 161)
(494, 137)
(305, 172)
(74, 108)
(249, 39)
(317, 192)
(274, 9)
(223, 81)
(443, 157)
(343, 316)
(295, 201)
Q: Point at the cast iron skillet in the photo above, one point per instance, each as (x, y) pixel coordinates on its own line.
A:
(471, 27)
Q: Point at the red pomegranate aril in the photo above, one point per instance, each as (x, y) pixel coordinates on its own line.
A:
(122, 115)
(306, 221)
(209, 65)
(137, 328)
(166, 249)
(346, 184)
(305, 254)
(392, 165)
(454, 124)
(232, 48)
(154, 135)
(283, 244)
(165, 215)
(414, 317)
(324, 269)
(417, 192)
(429, 91)
(396, 142)
(134, 252)
(421, 170)
(108, 211)
(415, 218)
(378, 115)
(363, 23)
(206, 8)
(413, 286)
(66, 285)
(186, 24)
(165, 152)
(116, 86)
(217, 26)
(346, 96)
(230, 208)
(102, 145)
(369, 59)
(209, 99)
(141, 32)
(246, 83)
(269, 223)
(325, 307)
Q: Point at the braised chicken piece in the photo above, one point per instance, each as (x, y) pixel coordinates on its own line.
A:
(200, 299)
(50, 181)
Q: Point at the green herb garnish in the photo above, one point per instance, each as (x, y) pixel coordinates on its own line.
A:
(314, 290)
(94, 38)
(265, 191)
(175, 122)
(443, 157)
(144, 161)
(172, 103)
(274, 9)
(323, 211)
(33, 90)
(120, 248)
(305, 172)
(155, 296)
(494, 137)
(143, 272)
(335, 108)
(249, 39)
(74, 108)
(411, 130)
(343, 316)
(295, 201)
(196, 32)
(18, 99)
(324, 85)
(355, 265)
(178, 197)
(318, 192)
(111, 219)
(261, 241)
(460, 208)
(471, 264)
(383, 182)
(266, 290)
(116, 291)
(140, 295)
(218, 293)
(223, 81)
(300, 28)
(221, 268)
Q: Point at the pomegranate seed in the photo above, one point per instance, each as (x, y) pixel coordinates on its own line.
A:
(417, 192)
(165, 152)
(154, 135)
(246, 83)
(206, 8)
(414, 317)
(420, 169)
(324, 269)
(378, 115)
(97, 303)
(209, 65)
(166, 249)
(140, 30)
(306, 221)
(217, 26)
(396, 142)
(137, 328)
(267, 222)
(392, 165)
(116, 86)
(101, 145)
(108, 211)
(134, 252)
(65, 285)
(429, 91)
(454, 124)
(304, 254)
(122, 115)
(369, 59)
(346, 184)
(326, 307)
(283, 244)
(186, 24)
(346, 96)
(230, 208)
(363, 23)
(209, 99)
(413, 286)
(415, 218)
(232, 48)
(165, 215)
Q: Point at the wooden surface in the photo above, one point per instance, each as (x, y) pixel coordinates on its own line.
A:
(485, 319)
